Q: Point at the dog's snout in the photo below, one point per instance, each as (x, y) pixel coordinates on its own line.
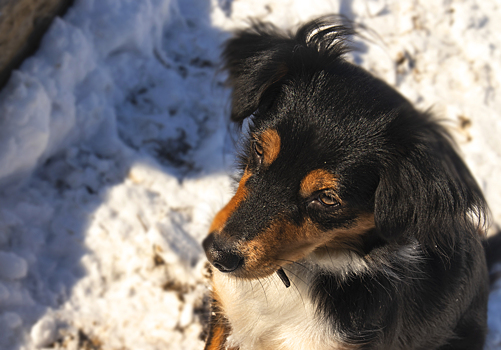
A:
(223, 259)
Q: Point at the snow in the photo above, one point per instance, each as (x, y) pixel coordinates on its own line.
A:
(115, 153)
(12, 267)
(44, 332)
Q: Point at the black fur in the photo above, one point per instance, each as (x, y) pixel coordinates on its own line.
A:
(391, 160)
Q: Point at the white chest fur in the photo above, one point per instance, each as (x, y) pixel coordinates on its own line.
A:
(266, 315)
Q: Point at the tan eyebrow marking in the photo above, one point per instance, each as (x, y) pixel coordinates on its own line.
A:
(316, 180)
(224, 214)
(270, 141)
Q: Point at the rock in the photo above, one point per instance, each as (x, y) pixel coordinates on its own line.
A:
(22, 25)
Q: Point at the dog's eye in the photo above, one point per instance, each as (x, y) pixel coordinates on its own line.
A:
(258, 149)
(324, 200)
(327, 199)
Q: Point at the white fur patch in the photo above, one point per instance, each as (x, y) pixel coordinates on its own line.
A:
(339, 262)
(265, 315)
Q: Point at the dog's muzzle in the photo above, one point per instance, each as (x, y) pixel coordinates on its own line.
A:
(227, 260)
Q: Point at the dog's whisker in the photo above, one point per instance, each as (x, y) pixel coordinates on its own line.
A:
(295, 286)
(309, 269)
(328, 253)
(278, 284)
(295, 275)
(264, 290)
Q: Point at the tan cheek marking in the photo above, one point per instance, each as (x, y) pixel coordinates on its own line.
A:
(223, 215)
(279, 245)
(285, 242)
(271, 145)
(317, 180)
(351, 238)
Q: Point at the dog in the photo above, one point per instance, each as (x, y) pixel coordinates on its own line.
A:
(355, 224)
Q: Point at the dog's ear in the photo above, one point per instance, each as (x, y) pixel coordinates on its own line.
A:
(258, 59)
(428, 194)
(255, 60)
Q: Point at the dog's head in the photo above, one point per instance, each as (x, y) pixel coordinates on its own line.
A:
(334, 158)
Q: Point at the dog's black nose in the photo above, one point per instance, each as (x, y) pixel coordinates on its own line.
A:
(222, 259)
(227, 261)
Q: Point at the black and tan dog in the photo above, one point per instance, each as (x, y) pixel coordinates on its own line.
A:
(355, 224)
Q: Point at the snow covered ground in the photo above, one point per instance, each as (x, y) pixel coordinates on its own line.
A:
(115, 153)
